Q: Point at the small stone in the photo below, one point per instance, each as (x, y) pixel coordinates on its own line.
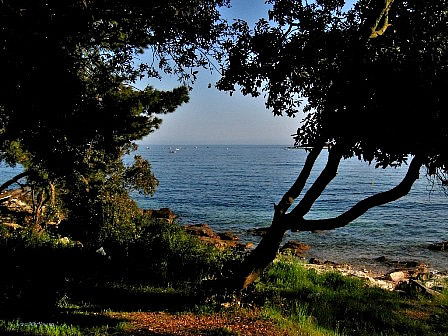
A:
(396, 276)
(101, 251)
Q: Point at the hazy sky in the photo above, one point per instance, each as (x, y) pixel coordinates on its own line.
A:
(214, 117)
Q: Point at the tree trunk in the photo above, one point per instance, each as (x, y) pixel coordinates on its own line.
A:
(267, 249)
(262, 255)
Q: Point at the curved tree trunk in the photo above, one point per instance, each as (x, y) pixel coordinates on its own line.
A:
(267, 249)
(263, 255)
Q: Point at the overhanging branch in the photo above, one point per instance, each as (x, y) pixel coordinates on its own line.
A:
(360, 208)
(295, 190)
(325, 177)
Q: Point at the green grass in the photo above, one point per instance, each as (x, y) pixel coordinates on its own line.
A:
(296, 321)
(38, 328)
(330, 303)
(55, 284)
(17, 327)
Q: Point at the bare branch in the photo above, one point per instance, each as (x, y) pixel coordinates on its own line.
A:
(325, 177)
(295, 190)
(360, 208)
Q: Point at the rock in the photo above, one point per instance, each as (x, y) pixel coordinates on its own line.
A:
(315, 261)
(227, 236)
(398, 263)
(295, 247)
(330, 263)
(396, 276)
(414, 286)
(421, 273)
(221, 240)
(258, 231)
(248, 245)
(201, 230)
(101, 251)
(381, 259)
(163, 214)
(442, 246)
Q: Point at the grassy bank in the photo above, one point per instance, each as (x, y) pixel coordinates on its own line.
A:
(53, 286)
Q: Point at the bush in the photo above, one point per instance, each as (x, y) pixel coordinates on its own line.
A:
(165, 254)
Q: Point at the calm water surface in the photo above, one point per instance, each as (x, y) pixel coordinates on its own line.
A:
(233, 188)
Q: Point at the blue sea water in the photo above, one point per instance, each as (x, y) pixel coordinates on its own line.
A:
(233, 188)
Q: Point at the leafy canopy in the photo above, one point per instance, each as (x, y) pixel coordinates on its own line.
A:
(379, 96)
(69, 110)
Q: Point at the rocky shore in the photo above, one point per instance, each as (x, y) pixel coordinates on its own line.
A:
(403, 276)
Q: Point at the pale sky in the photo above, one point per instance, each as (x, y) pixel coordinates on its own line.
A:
(214, 117)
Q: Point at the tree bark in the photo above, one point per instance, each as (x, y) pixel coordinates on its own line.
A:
(402, 189)
(267, 249)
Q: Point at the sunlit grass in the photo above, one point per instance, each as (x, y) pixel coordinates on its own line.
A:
(330, 303)
(17, 327)
(38, 328)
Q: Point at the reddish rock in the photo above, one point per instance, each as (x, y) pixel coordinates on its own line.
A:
(163, 213)
(258, 231)
(295, 247)
(201, 230)
(227, 236)
(221, 240)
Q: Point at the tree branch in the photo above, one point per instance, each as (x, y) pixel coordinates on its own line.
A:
(325, 177)
(295, 190)
(13, 180)
(360, 208)
(383, 16)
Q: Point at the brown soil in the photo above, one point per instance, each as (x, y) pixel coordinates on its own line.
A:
(166, 324)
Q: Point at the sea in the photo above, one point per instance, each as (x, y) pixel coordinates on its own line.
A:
(234, 188)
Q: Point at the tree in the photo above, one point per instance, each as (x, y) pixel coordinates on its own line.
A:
(69, 110)
(372, 83)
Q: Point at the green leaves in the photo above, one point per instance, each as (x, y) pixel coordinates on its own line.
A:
(139, 176)
(380, 99)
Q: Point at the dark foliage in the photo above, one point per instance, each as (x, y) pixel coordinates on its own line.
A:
(379, 98)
